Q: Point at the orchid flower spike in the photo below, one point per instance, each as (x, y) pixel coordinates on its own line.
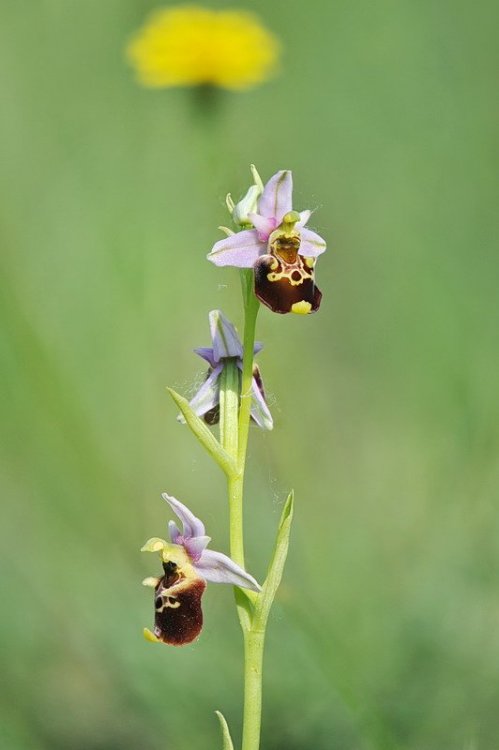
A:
(187, 565)
(279, 247)
(226, 345)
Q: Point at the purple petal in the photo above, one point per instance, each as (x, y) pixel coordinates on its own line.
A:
(304, 217)
(218, 568)
(277, 197)
(263, 226)
(259, 409)
(195, 546)
(207, 354)
(225, 339)
(240, 250)
(257, 348)
(192, 526)
(208, 395)
(174, 532)
(312, 244)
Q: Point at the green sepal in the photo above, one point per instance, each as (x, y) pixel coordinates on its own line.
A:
(276, 567)
(227, 741)
(203, 434)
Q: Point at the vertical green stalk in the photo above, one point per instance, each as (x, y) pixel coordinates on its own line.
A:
(235, 415)
(253, 662)
(229, 439)
(251, 307)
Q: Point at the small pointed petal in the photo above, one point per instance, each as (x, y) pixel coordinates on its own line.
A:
(196, 546)
(229, 203)
(240, 250)
(226, 342)
(192, 525)
(256, 178)
(304, 217)
(174, 532)
(207, 354)
(208, 395)
(246, 206)
(311, 244)
(263, 226)
(259, 409)
(149, 636)
(277, 198)
(218, 568)
(258, 347)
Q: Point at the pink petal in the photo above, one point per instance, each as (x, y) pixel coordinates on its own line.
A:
(259, 409)
(277, 197)
(195, 546)
(174, 532)
(226, 342)
(263, 226)
(240, 250)
(192, 525)
(207, 354)
(218, 568)
(312, 244)
(208, 395)
(304, 217)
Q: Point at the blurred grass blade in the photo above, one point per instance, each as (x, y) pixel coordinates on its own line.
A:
(227, 742)
(203, 434)
(277, 563)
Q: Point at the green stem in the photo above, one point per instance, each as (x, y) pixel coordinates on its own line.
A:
(229, 439)
(234, 431)
(253, 661)
(251, 307)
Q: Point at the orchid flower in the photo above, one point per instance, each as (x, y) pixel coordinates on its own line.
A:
(225, 345)
(280, 248)
(187, 565)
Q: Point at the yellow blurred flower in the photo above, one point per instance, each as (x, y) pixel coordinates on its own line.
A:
(191, 46)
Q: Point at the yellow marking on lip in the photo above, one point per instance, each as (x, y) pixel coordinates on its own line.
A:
(301, 308)
(171, 602)
(287, 274)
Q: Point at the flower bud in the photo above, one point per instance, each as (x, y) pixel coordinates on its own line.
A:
(241, 211)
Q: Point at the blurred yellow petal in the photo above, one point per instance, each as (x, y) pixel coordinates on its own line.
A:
(193, 46)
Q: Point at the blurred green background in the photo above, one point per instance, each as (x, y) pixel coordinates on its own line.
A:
(386, 632)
